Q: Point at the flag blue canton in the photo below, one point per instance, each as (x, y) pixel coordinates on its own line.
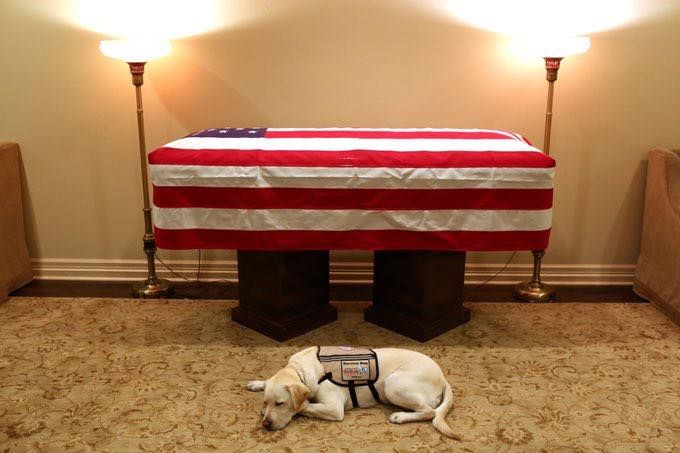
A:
(232, 132)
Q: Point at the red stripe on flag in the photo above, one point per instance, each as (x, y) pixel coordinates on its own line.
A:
(355, 158)
(458, 135)
(352, 240)
(374, 199)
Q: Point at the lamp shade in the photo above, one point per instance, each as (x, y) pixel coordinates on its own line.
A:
(552, 47)
(134, 51)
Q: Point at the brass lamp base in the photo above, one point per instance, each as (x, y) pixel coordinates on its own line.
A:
(152, 289)
(536, 292)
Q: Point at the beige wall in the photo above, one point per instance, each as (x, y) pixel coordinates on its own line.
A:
(383, 63)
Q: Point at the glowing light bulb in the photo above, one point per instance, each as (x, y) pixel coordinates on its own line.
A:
(135, 51)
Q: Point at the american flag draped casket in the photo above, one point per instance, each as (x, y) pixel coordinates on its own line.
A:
(342, 188)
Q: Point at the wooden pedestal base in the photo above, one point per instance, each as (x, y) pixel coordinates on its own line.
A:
(283, 294)
(418, 294)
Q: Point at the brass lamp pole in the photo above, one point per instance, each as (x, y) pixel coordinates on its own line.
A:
(152, 287)
(535, 290)
(136, 54)
(552, 65)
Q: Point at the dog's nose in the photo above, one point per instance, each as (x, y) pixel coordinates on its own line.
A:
(266, 424)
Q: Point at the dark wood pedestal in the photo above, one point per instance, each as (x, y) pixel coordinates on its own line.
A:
(418, 294)
(283, 294)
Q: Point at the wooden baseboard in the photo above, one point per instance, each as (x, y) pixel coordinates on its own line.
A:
(350, 281)
(343, 272)
(351, 292)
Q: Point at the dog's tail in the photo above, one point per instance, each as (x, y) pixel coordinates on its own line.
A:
(439, 420)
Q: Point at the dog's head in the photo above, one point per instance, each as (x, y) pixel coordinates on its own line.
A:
(284, 396)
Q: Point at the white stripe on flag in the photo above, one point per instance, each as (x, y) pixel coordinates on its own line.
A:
(352, 219)
(353, 177)
(379, 130)
(349, 144)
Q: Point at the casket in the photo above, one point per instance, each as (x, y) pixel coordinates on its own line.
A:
(345, 188)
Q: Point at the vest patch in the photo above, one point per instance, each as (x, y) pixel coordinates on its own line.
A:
(355, 370)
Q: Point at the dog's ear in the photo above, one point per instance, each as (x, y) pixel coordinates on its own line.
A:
(298, 394)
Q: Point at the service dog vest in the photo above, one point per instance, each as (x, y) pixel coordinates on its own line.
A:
(350, 367)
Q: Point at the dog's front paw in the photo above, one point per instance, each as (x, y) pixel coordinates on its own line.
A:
(255, 386)
(398, 417)
(308, 409)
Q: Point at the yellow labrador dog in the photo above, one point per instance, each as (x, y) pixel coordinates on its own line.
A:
(404, 378)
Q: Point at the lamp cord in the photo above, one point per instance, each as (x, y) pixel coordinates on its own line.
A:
(169, 269)
(497, 273)
(198, 271)
(178, 275)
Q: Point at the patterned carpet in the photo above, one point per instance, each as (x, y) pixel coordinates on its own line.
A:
(123, 375)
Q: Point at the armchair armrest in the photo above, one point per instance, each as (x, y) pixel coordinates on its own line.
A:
(657, 276)
(15, 264)
(673, 177)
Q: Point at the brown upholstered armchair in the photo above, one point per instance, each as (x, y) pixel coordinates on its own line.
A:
(657, 277)
(15, 264)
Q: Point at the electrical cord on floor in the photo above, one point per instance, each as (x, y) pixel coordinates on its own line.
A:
(169, 269)
(198, 272)
(497, 273)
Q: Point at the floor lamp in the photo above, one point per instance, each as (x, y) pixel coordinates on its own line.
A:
(535, 290)
(136, 54)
